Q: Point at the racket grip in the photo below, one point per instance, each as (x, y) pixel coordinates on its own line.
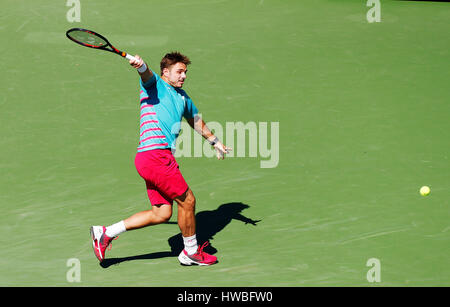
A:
(130, 57)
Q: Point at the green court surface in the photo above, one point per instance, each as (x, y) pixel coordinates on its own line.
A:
(363, 112)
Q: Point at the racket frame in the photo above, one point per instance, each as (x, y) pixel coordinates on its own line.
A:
(113, 49)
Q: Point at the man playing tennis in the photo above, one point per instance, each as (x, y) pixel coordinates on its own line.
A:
(163, 105)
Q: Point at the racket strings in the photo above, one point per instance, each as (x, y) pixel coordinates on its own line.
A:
(87, 38)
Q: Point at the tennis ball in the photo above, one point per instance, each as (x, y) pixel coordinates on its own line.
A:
(424, 191)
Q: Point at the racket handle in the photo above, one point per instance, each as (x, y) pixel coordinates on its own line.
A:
(130, 57)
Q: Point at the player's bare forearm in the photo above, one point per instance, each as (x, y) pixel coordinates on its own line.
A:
(199, 125)
(146, 75)
(142, 68)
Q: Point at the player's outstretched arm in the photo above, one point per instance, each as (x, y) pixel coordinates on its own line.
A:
(199, 125)
(142, 68)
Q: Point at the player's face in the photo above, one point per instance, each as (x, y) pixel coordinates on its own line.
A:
(175, 75)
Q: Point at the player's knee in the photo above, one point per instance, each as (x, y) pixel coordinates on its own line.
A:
(191, 201)
(188, 202)
(165, 218)
(163, 213)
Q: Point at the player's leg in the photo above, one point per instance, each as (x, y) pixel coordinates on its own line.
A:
(102, 236)
(158, 214)
(186, 213)
(191, 254)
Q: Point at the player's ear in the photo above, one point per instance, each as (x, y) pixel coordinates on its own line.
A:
(165, 71)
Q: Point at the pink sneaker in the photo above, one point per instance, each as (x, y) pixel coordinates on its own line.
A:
(100, 241)
(199, 258)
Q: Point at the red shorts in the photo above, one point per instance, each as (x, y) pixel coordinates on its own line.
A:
(162, 176)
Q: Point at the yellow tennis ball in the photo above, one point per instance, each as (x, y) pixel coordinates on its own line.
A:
(424, 191)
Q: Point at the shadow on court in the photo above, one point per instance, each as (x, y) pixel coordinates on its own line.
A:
(209, 223)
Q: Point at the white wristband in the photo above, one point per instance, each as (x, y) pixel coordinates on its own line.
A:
(214, 142)
(142, 69)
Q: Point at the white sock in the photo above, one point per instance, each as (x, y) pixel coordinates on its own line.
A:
(115, 229)
(190, 244)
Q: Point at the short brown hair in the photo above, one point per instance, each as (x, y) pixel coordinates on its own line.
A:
(172, 58)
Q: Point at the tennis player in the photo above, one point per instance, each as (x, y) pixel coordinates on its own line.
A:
(163, 104)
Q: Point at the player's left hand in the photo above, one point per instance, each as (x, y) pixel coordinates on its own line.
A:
(221, 150)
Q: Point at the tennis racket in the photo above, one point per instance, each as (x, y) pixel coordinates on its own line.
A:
(94, 40)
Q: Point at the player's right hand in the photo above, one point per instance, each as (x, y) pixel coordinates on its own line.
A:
(137, 62)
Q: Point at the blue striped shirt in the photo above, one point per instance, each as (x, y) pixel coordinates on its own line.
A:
(162, 109)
